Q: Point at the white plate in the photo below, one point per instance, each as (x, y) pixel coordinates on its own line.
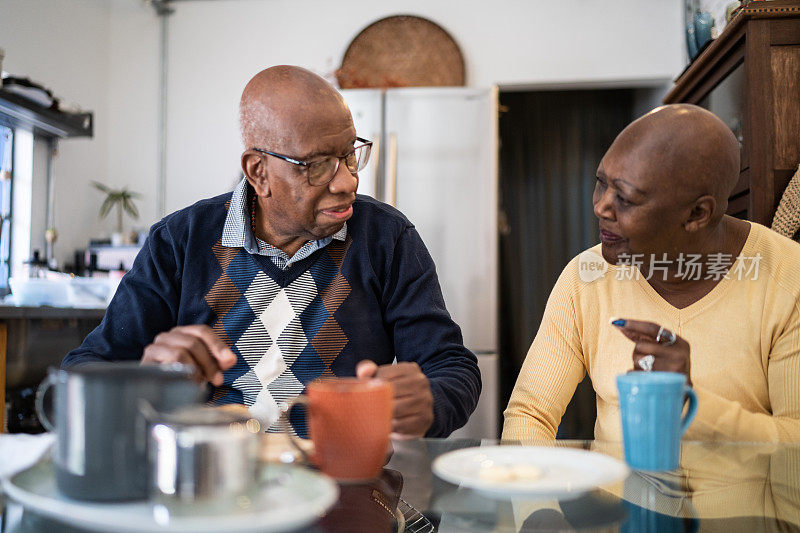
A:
(565, 472)
(293, 498)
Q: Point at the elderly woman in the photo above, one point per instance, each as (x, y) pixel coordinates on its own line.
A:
(675, 285)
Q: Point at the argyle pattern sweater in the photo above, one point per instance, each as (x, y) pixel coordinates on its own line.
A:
(374, 295)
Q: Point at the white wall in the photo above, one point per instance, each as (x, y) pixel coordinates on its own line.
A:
(63, 44)
(215, 47)
(104, 55)
(133, 97)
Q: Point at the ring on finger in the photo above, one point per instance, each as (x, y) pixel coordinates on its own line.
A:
(646, 362)
(667, 336)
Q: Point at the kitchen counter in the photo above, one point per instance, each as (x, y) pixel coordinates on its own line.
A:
(33, 338)
(20, 311)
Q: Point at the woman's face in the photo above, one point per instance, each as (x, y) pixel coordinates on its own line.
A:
(638, 213)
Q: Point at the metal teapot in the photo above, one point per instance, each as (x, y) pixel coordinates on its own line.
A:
(202, 453)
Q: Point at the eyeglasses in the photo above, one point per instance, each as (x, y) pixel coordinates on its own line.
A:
(322, 172)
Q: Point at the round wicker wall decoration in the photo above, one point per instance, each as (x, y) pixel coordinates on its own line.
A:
(401, 51)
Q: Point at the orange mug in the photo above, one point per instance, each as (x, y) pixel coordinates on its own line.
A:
(349, 421)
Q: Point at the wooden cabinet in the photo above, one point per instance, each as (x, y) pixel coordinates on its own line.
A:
(750, 77)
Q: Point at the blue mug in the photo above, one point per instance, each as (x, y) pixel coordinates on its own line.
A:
(642, 520)
(650, 404)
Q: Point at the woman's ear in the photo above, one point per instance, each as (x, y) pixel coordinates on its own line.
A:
(254, 168)
(702, 214)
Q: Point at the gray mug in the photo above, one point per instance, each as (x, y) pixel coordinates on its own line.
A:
(101, 451)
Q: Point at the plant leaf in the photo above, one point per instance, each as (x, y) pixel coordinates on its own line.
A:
(122, 199)
(108, 204)
(100, 187)
(130, 208)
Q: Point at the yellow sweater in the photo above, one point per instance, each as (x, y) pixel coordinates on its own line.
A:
(744, 337)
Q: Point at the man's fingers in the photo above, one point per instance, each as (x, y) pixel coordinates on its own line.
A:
(159, 354)
(194, 347)
(407, 379)
(407, 405)
(366, 369)
(408, 426)
(409, 386)
(412, 410)
(218, 349)
(399, 370)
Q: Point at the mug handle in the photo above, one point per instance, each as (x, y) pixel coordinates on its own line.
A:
(690, 396)
(147, 410)
(38, 400)
(287, 427)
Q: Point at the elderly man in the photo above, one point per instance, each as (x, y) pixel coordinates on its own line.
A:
(675, 285)
(292, 276)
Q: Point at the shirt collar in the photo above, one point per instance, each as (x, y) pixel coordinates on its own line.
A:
(237, 233)
(341, 235)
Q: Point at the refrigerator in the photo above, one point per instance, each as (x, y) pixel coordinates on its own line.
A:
(435, 159)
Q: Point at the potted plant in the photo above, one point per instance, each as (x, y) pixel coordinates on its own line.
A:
(122, 199)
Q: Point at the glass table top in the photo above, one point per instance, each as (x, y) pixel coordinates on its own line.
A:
(727, 487)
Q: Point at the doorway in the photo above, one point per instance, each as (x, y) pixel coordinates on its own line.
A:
(550, 145)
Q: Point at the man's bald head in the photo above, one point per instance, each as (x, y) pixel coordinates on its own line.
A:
(687, 148)
(279, 99)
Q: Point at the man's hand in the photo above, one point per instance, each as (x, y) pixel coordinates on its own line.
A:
(198, 346)
(413, 401)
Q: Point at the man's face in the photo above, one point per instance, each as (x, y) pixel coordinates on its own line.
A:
(297, 209)
(638, 210)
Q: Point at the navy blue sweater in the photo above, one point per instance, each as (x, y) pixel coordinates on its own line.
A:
(373, 296)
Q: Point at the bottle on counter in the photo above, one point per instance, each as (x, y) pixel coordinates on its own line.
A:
(35, 267)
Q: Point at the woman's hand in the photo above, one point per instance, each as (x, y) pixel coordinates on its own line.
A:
(667, 351)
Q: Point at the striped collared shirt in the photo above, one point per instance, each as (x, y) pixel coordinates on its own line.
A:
(237, 233)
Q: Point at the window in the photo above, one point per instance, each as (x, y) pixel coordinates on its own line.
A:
(6, 173)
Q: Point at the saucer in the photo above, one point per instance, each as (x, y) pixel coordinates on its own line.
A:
(291, 498)
(562, 473)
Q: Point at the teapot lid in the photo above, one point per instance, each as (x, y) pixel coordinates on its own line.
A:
(198, 415)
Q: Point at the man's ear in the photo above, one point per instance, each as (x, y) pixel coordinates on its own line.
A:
(702, 214)
(254, 168)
